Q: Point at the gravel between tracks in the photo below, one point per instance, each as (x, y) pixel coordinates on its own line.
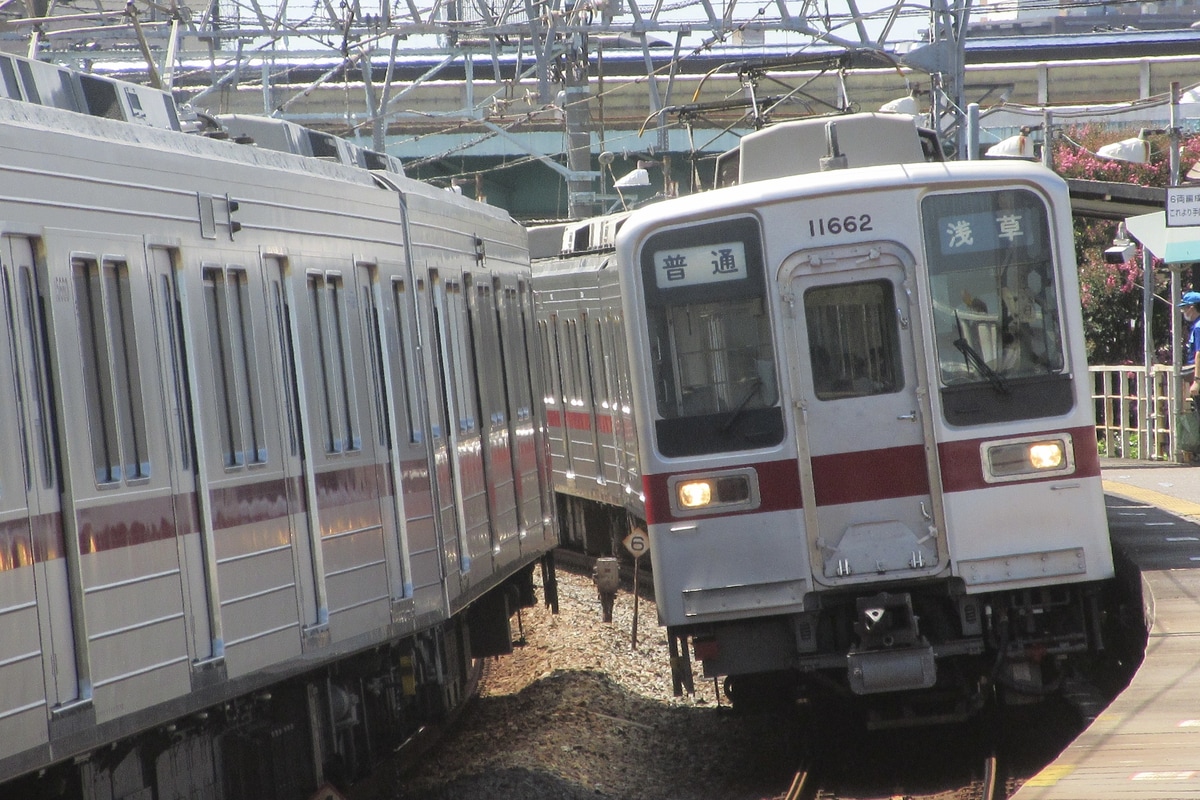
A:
(577, 713)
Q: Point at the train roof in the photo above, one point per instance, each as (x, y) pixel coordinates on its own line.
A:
(40, 83)
(736, 199)
(44, 84)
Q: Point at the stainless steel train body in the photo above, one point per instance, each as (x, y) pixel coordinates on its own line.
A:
(864, 431)
(273, 468)
(588, 395)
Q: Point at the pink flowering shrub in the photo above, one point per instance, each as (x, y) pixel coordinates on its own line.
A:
(1112, 293)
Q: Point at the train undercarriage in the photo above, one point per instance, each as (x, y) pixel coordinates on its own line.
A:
(901, 657)
(310, 733)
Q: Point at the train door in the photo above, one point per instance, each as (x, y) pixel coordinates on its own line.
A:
(411, 455)
(192, 515)
(488, 356)
(538, 376)
(35, 628)
(605, 408)
(519, 399)
(442, 402)
(379, 367)
(592, 393)
(623, 409)
(350, 485)
(865, 439)
(557, 405)
(294, 447)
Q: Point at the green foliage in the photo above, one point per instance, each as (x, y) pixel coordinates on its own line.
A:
(1112, 293)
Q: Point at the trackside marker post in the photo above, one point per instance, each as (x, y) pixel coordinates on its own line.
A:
(637, 543)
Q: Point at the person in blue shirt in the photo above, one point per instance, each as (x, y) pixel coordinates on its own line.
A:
(1190, 304)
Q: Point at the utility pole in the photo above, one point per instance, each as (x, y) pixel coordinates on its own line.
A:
(581, 187)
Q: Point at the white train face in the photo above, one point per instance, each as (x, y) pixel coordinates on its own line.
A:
(831, 395)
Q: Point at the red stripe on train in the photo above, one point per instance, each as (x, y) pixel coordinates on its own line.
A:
(962, 466)
(869, 475)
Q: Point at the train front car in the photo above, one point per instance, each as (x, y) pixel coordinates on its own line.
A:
(868, 452)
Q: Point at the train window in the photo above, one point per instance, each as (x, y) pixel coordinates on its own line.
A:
(339, 412)
(519, 361)
(549, 374)
(995, 299)
(596, 366)
(175, 352)
(110, 368)
(35, 329)
(340, 338)
(464, 387)
(575, 372)
(12, 87)
(243, 336)
(29, 82)
(710, 341)
(17, 376)
(371, 320)
(853, 340)
(993, 284)
(516, 367)
(488, 358)
(215, 302)
(283, 317)
(407, 370)
(231, 337)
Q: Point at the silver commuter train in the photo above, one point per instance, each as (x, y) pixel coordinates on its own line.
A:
(865, 451)
(274, 470)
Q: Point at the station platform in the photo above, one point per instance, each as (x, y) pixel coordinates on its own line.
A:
(1146, 744)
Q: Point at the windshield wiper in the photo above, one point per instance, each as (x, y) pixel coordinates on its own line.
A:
(975, 360)
(736, 414)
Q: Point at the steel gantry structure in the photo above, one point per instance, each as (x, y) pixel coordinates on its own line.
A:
(516, 64)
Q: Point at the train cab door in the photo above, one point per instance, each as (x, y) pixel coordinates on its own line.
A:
(866, 448)
(37, 665)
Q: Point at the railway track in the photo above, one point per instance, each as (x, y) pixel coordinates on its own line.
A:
(808, 784)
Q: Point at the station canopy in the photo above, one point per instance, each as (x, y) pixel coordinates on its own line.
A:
(1174, 245)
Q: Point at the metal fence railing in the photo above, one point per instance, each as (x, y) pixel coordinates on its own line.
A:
(1136, 412)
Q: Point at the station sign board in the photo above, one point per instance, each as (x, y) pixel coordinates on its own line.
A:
(1183, 206)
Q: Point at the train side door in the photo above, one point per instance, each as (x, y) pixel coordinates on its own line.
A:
(443, 424)
(865, 442)
(295, 446)
(194, 538)
(36, 665)
(519, 399)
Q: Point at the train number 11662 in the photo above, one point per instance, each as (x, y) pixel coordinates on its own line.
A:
(832, 226)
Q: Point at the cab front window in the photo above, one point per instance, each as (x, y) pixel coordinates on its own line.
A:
(995, 294)
(710, 339)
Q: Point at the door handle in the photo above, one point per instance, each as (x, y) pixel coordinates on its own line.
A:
(910, 415)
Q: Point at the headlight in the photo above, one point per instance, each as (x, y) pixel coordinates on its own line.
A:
(734, 490)
(1028, 457)
(695, 494)
(1046, 455)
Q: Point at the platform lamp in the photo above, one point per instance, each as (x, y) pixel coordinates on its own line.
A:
(636, 178)
(1018, 146)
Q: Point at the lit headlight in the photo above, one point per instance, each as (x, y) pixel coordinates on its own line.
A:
(1026, 457)
(695, 494)
(735, 489)
(1046, 455)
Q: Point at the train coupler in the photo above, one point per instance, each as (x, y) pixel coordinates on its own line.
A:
(891, 655)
